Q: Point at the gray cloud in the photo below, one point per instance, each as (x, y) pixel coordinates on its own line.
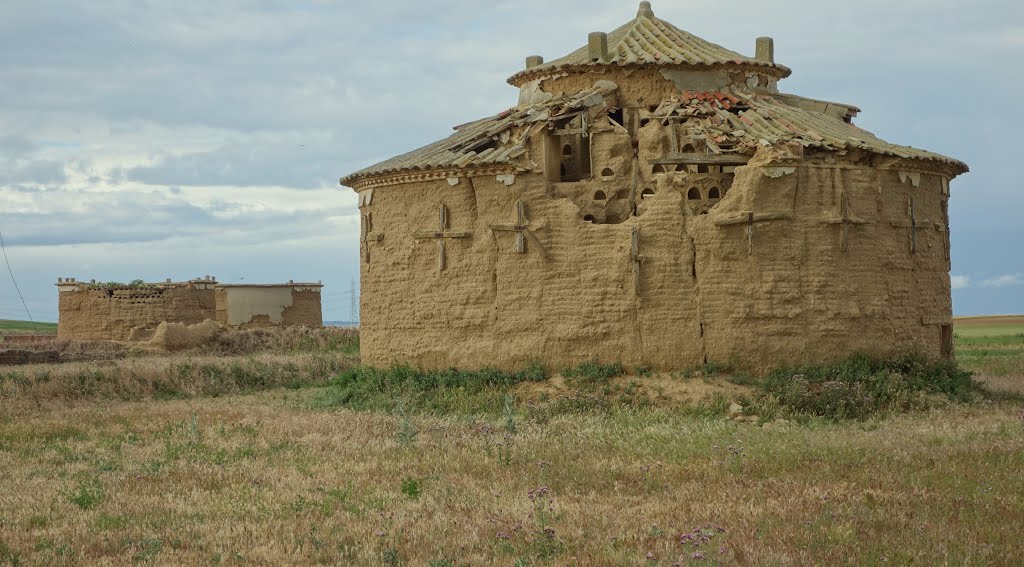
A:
(289, 160)
(19, 162)
(147, 216)
(101, 98)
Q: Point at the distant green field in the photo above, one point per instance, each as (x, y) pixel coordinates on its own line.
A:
(991, 349)
(989, 331)
(26, 327)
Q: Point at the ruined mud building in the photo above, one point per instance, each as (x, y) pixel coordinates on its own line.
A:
(91, 311)
(655, 199)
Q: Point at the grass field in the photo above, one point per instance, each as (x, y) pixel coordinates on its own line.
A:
(143, 462)
(993, 347)
(25, 327)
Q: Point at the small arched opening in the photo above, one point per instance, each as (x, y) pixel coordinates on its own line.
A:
(659, 169)
(599, 195)
(714, 193)
(647, 193)
(567, 151)
(607, 172)
(588, 218)
(693, 194)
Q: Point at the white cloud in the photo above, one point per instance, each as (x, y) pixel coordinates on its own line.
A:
(960, 282)
(1004, 281)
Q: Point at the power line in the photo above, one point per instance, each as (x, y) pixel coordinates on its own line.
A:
(25, 305)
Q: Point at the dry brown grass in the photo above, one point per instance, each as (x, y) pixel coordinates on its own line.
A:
(40, 387)
(91, 349)
(285, 339)
(227, 342)
(263, 480)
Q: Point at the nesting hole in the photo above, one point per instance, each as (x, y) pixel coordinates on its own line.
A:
(693, 194)
(714, 193)
(617, 117)
(588, 218)
(600, 196)
(646, 193)
(607, 172)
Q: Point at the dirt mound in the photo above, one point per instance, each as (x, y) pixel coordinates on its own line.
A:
(178, 336)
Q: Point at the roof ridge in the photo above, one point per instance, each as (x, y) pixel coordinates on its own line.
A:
(647, 40)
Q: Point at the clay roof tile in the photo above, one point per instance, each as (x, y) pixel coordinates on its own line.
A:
(647, 40)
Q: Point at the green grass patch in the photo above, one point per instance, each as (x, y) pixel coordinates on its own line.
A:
(439, 391)
(87, 494)
(861, 387)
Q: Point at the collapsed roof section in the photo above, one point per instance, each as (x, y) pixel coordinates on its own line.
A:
(733, 121)
(648, 41)
(493, 145)
(743, 120)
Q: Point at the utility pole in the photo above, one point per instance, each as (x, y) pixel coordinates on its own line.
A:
(354, 305)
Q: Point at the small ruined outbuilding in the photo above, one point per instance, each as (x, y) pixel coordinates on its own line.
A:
(121, 312)
(655, 199)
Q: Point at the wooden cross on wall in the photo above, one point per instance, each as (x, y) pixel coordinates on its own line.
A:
(521, 228)
(844, 220)
(440, 235)
(636, 258)
(748, 219)
(913, 223)
(368, 236)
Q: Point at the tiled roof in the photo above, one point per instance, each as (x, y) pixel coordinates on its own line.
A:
(488, 142)
(647, 40)
(733, 121)
(742, 120)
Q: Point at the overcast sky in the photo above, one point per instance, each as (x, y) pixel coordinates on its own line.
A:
(152, 139)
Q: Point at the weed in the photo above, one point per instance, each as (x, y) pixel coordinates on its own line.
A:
(545, 542)
(87, 494)
(439, 391)
(861, 386)
(407, 432)
(145, 549)
(411, 488)
(8, 556)
(594, 372)
(38, 521)
(390, 557)
(48, 545)
(106, 522)
(742, 379)
(711, 368)
(508, 438)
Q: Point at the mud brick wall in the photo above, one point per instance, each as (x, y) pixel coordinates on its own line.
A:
(110, 314)
(661, 218)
